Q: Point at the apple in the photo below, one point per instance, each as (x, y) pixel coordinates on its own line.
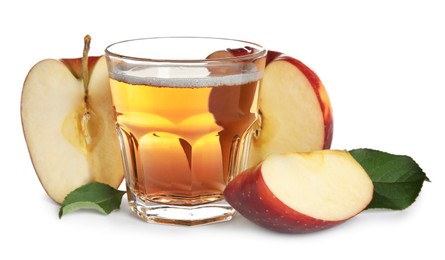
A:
(296, 113)
(301, 192)
(222, 70)
(241, 51)
(68, 124)
(295, 110)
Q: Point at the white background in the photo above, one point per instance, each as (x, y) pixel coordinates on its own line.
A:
(382, 62)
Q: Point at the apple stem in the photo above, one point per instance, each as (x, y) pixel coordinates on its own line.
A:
(85, 75)
(86, 116)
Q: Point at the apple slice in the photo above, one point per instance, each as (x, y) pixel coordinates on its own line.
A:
(301, 192)
(296, 114)
(68, 123)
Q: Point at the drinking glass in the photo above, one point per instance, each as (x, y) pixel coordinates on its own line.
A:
(186, 109)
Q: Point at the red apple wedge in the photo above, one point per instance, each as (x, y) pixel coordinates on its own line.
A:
(296, 114)
(301, 192)
(68, 123)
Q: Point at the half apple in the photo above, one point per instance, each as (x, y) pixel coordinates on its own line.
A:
(296, 113)
(295, 110)
(68, 123)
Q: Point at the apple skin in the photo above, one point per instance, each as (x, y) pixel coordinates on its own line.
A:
(272, 55)
(257, 203)
(241, 51)
(320, 91)
(75, 65)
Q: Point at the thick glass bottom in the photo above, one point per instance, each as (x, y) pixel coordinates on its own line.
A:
(213, 212)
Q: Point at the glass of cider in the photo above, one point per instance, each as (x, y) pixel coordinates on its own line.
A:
(186, 111)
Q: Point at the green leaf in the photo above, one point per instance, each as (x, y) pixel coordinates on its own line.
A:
(397, 179)
(98, 196)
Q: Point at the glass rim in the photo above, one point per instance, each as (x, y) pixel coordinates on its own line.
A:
(251, 56)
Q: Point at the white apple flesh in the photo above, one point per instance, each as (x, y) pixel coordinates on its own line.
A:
(301, 192)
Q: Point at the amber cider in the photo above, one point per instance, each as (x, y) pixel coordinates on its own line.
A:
(177, 135)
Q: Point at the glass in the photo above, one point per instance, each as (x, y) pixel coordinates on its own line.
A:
(185, 120)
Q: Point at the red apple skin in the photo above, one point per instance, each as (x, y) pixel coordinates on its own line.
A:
(75, 65)
(320, 91)
(248, 194)
(272, 55)
(241, 51)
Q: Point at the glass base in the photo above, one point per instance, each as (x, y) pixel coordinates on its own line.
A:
(214, 212)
